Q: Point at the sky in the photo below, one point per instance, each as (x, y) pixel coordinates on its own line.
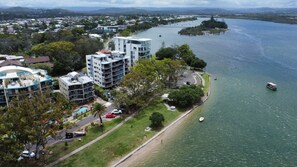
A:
(150, 3)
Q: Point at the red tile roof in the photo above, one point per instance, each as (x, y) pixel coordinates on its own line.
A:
(41, 59)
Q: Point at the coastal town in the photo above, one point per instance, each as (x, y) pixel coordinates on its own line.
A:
(96, 94)
(148, 83)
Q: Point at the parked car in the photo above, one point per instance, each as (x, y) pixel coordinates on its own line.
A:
(80, 133)
(68, 135)
(116, 111)
(27, 154)
(110, 115)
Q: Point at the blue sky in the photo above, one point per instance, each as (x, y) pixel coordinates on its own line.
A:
(151, 3)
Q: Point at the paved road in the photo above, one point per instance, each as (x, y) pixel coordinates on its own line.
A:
(81, 123)
(88, 144)
(188, 76)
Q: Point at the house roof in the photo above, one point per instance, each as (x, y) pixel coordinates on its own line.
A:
(40, 59)
(10, 62)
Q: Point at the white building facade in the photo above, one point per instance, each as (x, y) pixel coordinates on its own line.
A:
(108, 68)
(77, 87)
(20, 82)
(135, 48)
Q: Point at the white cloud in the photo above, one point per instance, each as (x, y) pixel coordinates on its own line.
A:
(150, 3)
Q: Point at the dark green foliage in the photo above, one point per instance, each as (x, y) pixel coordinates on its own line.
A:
(29, 121)
(157, 120)
(46, 66)
(211, 26)
(98, 110)
(186, 95)
(166, 53)
(181, 52)
(100, 92)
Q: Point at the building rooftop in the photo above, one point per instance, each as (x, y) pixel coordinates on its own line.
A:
(74, 78)
(41, 59)
(16, 76)
(134, 38)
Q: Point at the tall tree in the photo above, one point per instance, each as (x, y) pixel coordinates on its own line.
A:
(98, 110)
(28, 122)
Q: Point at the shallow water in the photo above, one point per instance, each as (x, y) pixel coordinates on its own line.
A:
(245, 123)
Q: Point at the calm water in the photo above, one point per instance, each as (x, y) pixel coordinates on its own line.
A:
(245, 124)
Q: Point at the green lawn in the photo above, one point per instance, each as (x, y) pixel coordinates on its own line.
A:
(205, 76)
(122, 141)
(58, 150)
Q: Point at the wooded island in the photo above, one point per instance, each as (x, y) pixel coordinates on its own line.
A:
(211, 26)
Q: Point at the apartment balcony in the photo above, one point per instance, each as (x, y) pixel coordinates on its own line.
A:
(107, 76)
(117, 65)
(106, 67)
(107, 81)
(118, 73)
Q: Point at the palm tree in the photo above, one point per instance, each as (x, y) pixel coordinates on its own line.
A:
(97, 110)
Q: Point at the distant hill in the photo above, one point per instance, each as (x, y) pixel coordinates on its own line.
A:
(22, 12)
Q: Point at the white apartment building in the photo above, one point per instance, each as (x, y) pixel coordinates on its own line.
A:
(77, 87)
(135, 48)
(107, 68)
(21, 82)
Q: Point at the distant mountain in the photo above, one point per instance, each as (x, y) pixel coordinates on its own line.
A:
(22, 12)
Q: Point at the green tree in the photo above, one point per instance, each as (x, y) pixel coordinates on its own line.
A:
(186, 95)
(30, 121)
(169, 52)
(125, 33)
(62, 54)
(157, 120)
(98, 110)
(46, 66)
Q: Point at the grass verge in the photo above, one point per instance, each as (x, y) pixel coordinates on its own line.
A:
(122, 141)
(205, 76)
(59, 150)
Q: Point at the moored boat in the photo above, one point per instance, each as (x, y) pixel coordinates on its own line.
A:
(271, 86)
(201, 119)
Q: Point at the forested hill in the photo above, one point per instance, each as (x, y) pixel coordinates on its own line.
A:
(20, 12)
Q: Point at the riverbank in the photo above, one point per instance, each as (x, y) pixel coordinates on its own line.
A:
(136, 157)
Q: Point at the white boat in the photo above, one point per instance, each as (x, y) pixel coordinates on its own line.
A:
(271, 86)
(201, 119)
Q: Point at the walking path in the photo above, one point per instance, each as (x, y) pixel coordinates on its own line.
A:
(88, 144)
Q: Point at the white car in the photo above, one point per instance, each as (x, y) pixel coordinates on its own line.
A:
(116, 111)
(26, 154)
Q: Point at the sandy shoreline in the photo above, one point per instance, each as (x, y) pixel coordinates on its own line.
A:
(156, 143)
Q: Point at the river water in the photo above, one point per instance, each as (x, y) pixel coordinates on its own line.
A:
(245, 123)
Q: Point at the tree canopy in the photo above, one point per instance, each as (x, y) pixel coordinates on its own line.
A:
(183, 52)
(157, 120)
(211, 26)
(28, 121)
(146, 80)
(186, 96)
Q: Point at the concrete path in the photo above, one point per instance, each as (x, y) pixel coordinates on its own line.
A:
(88, 144)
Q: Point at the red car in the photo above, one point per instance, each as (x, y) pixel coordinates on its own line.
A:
(110, 115)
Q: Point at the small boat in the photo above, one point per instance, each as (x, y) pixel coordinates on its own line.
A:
(201, 119)
(271, 86)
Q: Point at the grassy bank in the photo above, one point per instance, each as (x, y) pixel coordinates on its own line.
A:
(59, 150)
(205, 76)
(122, 141)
